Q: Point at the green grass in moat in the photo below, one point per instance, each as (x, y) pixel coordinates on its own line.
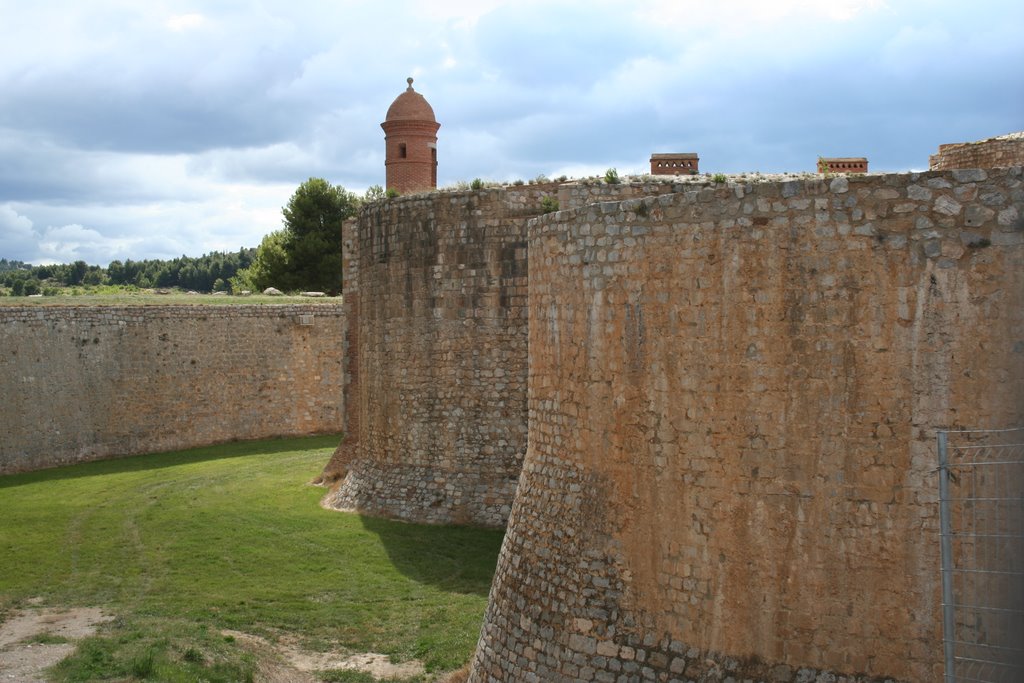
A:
(182, 545)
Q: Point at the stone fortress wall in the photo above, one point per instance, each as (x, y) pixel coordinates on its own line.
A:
(89, 382)
(730, 394)
(436, 314)
(733, 396)
(438, 327)
(998, 152)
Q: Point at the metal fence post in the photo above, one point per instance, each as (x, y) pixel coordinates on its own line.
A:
(946, 534)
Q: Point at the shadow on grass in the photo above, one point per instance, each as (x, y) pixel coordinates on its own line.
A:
(454, 559)
(154, 461)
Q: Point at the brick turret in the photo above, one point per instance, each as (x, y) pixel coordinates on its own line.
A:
(410, 139)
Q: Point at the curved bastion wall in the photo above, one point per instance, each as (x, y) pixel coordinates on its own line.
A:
(438, 326)
(734, 394)
(436, 350)
(90, 382)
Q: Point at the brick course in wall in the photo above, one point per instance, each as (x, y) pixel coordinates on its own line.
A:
(90, 382)
(734, 394)
(438, 410)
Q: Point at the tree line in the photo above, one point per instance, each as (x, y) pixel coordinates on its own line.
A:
(305, 254)
(6, 265)
(207, 273)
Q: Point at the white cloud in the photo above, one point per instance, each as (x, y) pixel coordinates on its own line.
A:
(165, 129)
(185, 22)
(238, 216)
(68, 243)
(20, 240)
(16, 235)
(464, 14)
(746, 15)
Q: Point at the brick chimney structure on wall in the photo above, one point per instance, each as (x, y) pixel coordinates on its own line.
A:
(410, 140)
(842, 165)
(682, 163)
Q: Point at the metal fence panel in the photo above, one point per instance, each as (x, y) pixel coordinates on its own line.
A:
(981, 491)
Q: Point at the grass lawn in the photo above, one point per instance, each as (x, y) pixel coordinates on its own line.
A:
(181, 545)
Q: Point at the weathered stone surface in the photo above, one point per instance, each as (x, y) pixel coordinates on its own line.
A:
(440, 426)
(947, 206)
(732, 427)
(999, 152)
(273, 291)
(969, 175)
(919, 193)
(978, 215)
(1010, 217)
(90, 382)
(973, 239)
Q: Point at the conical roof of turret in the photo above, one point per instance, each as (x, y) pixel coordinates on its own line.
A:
(410, 106)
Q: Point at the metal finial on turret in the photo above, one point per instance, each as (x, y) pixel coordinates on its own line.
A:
(409, 81)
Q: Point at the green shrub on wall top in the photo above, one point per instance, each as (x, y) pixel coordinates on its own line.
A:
(549, 204)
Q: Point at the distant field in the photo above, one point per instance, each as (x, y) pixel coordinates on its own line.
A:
(179, 546)
(159, 299)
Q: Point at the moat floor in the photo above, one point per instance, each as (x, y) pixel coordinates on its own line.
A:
(220, 564)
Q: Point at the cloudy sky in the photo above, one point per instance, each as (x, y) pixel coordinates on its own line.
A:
(154, 129)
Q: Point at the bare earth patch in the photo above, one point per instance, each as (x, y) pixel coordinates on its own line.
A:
(21, 660)
(288, 663)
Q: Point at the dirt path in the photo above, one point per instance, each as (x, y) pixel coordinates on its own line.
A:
(285, 662)
(24, 660)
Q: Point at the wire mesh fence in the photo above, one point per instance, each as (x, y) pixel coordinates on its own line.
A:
(981, 491)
